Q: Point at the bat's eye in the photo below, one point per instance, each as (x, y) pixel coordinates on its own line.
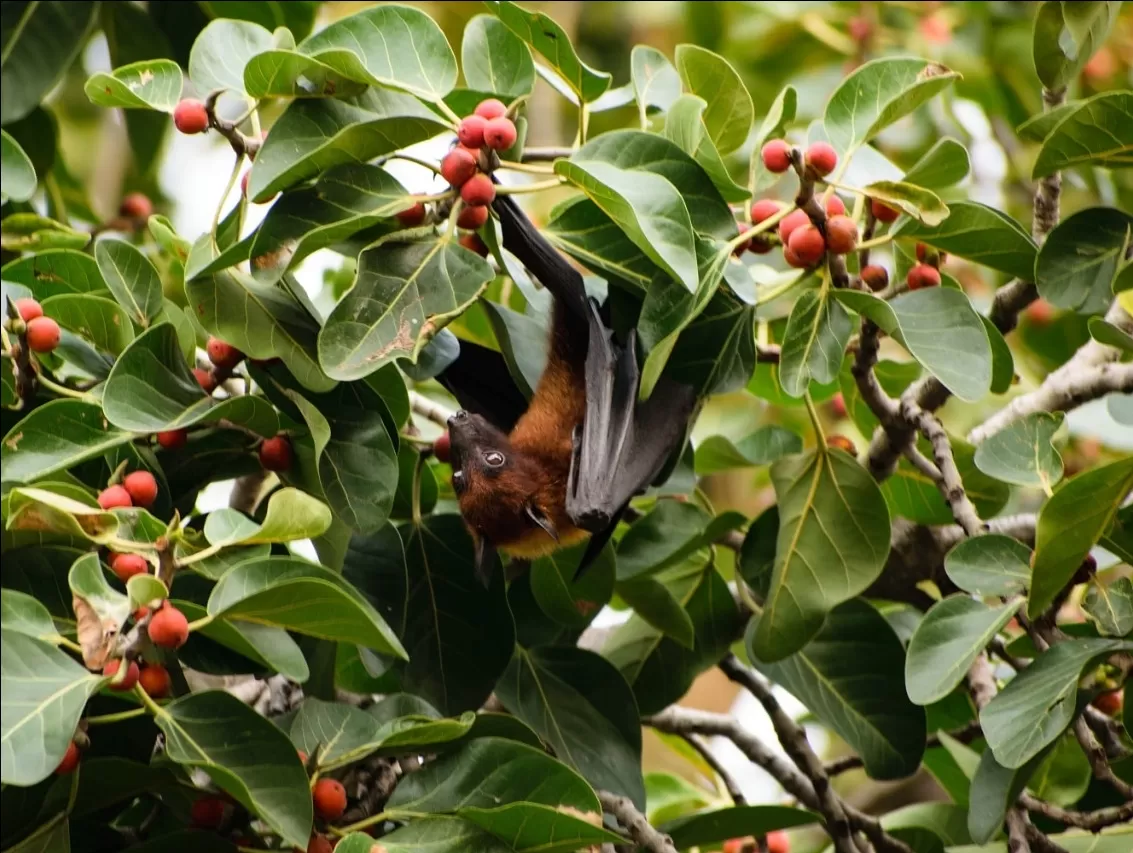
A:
(494, 458)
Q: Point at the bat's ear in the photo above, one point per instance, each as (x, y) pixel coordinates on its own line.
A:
(536, 515)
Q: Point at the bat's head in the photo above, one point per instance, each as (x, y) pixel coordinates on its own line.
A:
(501, 490)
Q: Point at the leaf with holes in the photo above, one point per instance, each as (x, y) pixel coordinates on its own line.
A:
(402, 294)
(850, 674)
(1023, 453)
(1039, 703)
(151, 85)
(1070, 523)
(832, 544)
(43, 695)
(245, 754)
(947, 641)
(992, 564)
(1078, 264)
(877, 94)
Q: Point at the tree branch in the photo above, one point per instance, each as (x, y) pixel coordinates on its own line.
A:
(639, 829)
(1047, 194)
(429, 410)
(702, 748)
(1092, 821)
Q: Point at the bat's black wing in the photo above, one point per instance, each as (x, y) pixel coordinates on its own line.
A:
(622, 445)
(482, 384)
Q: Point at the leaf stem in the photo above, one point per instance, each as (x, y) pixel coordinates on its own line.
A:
(67, 644)
(527, 168)
(232, 178)
(819, 433)
(417, 161)
(365, 823)
(766, 225)
(203, 554)
(876, 241)
(777, 291)
(107, 719)
(150, 705)
(448, 111)
(416, 499)
(203, 622)
(62, 390)
(538, 186)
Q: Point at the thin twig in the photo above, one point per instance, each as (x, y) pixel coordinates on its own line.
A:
(967, 734)
(429, 410)
(1092, 821)
(730, 784)
(636, 824)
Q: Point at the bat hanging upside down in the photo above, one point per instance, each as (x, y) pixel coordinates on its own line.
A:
(566, 468)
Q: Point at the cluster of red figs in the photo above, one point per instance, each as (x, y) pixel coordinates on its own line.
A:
(777, 842)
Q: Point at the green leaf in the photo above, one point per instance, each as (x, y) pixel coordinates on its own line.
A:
(766, 445)
(989, 565)
(582, 707)
(30, 232)
(131, 278)
(940, 329)
(340, 733)
(291, 514)
(659, 668)
(876, 95)
(54, 272)
(221, 52)
(494, 59)
(814, 343)
(25, 614)
(729, 113)
(154, 84)
(245, 754)
(460, 635)
(1039, 703)
(262, 321)
(100, 321)
(921, 204)
(646, 207)
(1070, 523)
(1110, 335)
(43, 695)
(635, 151)
(569, 602)
(1111, 606)
(1064, 775)
(667, 534)
(947, 641)
(719, 825)
(1078, 264)
(303, 597)
(389, 46)
(1066, 36)
(403, 292)
(1097, 133)
(552, 43)
(655, 81)
(850, 674)
(34, 509)
(151, 389)
(272, 648)
(685, 126)
(87, 581)
(432, 834)
(979, 234)
(943, 165)
(994, 789)
(41, 40)
(56, 436)
(914, 496)
(1023, 452)
(18, 172)
(832, 544)
(313, 135)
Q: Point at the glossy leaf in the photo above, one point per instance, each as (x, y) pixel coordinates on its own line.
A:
(1078, 264)
(43, 696)
(876, 95)
(1066, 36)
(947, 641)
(663, 537)
(431, 834)
(313, 135)
(912, 495)
(992, 564)
(569, 602)
(685, 126)
(494, 59)
(550, 40)
(943, 165)
(1023, 453)
(339, 733)
(940, 329)
(646, 207)
(291, 514)
(979, 234)
(131, 278)
(719, 825)
(402, 293)
(1096, 133)
(30, 232)
(222, 50)
(41, 41)
(103, 323)
(154, 84)
(297, 595)
(656, 82)
(850, 674)
(766, 445)
(729, 113)
(1111, 606)
(919, 203)
(245, 754)
(779, 116)
(814, 343)
(18, 172)
(994, 789)
(1039, 703)
(24, 614)
(56, 436)
(1069, 524)
(1064, 774)
(832, 544)
(582, 707)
